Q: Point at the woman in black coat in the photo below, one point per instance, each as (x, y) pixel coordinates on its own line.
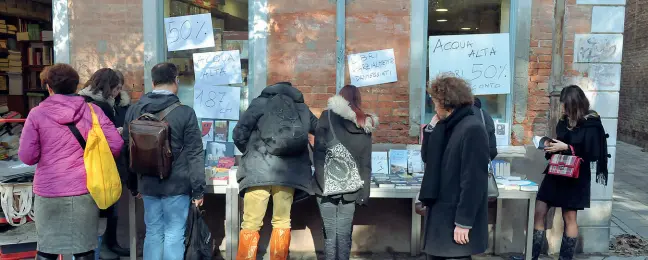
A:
(102, 89)
(353, 129)
(579, 129)
(454, 188)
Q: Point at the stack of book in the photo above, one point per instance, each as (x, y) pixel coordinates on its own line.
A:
(516, 183)
(39, 54)
(3, 26)
(13, 62)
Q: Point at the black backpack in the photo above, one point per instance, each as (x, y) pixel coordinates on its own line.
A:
(198, 239)
(281, 127)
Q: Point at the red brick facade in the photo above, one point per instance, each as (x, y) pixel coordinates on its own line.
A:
(108, 33)
(633, 111)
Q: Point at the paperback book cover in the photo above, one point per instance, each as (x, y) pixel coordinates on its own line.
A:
(398, 162)
(220, 131)
(217, 150)
(541, 142)
(379, 163)
(230, 131)
(207, 132)
(414, 162)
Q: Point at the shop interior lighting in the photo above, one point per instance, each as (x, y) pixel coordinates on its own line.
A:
(441, 7)
(442, 20)
(465, 28)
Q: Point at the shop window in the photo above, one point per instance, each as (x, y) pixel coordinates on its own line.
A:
(230, 25)
(471, 17)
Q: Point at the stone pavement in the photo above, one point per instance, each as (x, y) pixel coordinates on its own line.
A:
(630, 205)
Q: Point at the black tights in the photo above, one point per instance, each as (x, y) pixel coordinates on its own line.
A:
(90, 255)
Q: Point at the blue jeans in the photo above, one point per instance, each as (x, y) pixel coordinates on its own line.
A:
(166, 220)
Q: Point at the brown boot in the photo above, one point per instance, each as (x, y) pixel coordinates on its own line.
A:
(279, 243)
(248, 242)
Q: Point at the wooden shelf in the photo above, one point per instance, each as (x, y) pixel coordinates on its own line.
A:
(35, 68)
(24, 16)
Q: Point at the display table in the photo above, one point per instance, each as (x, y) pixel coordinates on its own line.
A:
(516, 195)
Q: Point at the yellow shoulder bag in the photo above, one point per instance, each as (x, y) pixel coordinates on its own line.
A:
(103, 180)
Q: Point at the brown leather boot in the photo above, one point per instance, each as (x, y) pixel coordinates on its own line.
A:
(279, 243)
(248, 242)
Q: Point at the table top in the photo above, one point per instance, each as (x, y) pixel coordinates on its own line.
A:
(19, 235)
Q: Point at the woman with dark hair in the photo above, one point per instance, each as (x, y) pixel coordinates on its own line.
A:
(101, 90)
(579, 132)
(67, 216)
(454, 188)
(352, 128)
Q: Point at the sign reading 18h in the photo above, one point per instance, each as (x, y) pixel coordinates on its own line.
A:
(481, 59)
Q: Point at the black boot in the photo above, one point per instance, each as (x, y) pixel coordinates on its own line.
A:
(110, 237)
(567, 248)
(46, 256)
(85, 256)
(538, 240)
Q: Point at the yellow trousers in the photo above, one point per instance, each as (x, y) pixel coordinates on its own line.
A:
(255, 204)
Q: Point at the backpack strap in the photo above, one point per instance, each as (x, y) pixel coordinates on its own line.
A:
(163, 114)
(77, 134)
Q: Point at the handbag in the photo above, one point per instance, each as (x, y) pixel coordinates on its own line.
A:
(565, 165)
(341, 173)
(493, 191)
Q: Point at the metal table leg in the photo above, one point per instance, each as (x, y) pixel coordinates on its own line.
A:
(497, 236)
(530, 217)
(415, 240)
(232, 223)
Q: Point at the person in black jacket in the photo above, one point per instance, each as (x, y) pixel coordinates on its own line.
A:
(166, 202)
(262, 174)
(454, 188)
(579, 132)
(353, 129)
(101, 90)
(490, 128)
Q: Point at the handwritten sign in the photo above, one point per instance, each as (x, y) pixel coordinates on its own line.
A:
(372, 68)
(218, 68)
(379, 164)
(189, 32)
(605, 77)
(217, 102)
(481, 59)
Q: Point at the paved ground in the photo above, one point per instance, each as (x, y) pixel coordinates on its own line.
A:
(630, 206)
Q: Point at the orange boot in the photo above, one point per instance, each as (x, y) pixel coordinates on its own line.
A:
(248, 242)
(279, 243)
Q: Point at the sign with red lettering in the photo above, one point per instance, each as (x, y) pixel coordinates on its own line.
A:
(372, 68)
(482, 59)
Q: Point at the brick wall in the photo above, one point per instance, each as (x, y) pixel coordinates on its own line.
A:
(537, 116)
(633, 112)
(108, 33)
(301, 49)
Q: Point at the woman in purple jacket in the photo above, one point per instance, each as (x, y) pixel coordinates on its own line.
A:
(66, 215)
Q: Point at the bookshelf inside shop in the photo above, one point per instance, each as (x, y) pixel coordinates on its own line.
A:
(26, 35)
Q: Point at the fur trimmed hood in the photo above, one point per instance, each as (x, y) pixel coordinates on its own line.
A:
(340, 106)
(124, 99)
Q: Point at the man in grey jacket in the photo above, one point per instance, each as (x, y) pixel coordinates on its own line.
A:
(166, 202)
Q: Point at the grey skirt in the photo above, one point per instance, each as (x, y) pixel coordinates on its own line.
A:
(66, 225)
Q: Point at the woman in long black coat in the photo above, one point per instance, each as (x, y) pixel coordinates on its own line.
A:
(581, 129)
(454, 188)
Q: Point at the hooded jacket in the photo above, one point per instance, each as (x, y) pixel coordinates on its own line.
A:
(106, 104)
(47, 141)
(354, 136)
(259, 167)
(188, 168)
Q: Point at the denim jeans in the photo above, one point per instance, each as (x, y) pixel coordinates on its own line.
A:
(166, 221)
(337, 216)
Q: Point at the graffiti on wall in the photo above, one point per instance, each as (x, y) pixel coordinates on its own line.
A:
(598, 47)
(604, 76)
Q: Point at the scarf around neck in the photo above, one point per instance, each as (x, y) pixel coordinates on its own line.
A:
(434, 145)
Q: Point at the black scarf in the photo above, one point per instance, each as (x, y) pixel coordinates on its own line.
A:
(432, 150)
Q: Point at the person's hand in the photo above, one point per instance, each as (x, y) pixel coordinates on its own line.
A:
(420, 209)
(138, 195)
(198, 203)
(435, 120)
(461, 235)
(120, 130)
(556, 146)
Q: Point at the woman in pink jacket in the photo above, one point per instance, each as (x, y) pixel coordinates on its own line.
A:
(66, 215)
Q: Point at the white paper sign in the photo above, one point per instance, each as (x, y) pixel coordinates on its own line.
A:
(379, 163)
(218, 68)
(502, 135)
(217, 102)
(481, 59)
(189, 32)
(372, 68)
